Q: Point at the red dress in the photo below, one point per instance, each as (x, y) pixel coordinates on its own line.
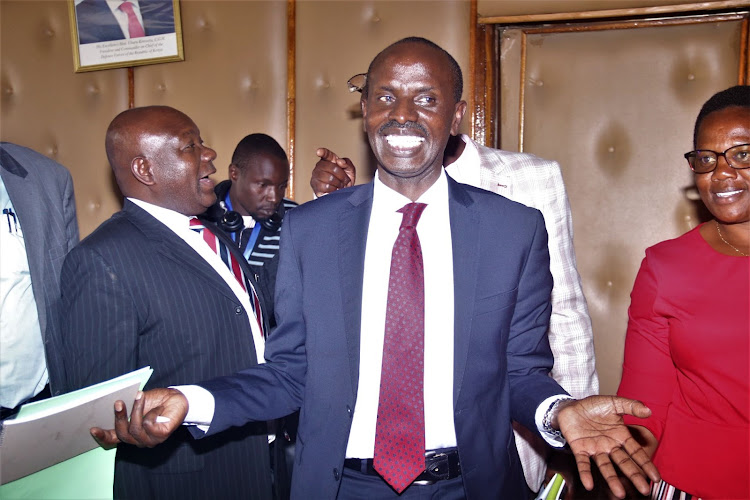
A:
(687, 357)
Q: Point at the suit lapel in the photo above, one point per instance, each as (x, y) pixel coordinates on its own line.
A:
(464, 221)
(352, 238)
(172, 247)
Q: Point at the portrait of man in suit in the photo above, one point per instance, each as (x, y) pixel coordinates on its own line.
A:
(107, 20)
(412, 317)
(151, 287)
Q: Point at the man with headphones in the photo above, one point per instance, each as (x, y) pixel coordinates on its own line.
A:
(250, 206)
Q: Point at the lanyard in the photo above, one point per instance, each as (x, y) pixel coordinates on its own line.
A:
(253, 235)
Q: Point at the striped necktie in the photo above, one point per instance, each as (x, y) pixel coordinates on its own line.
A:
(220, 248)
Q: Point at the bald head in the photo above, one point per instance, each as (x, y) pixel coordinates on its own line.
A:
(158, 156)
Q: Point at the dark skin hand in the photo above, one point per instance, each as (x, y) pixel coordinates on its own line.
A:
(143, 430)
(594, 429)
(331, 173)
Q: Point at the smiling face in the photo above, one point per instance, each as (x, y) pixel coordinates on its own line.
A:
(258, 187)
(409, 112)
(179, 163)
(725, 191)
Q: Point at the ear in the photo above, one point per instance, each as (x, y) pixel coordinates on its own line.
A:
(234, 172)
(458, 115)
(363, 105)
(141, 169)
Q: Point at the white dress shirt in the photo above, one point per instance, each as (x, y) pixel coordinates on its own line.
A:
(437, 250)
(23, 366)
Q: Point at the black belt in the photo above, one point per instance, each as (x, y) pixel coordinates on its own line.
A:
(439, 465)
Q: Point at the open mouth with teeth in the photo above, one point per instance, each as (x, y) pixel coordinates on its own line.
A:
(728, 194)
(404, 142)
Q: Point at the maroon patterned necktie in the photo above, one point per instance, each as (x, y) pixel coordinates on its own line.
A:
(135, 30)
(399, 432)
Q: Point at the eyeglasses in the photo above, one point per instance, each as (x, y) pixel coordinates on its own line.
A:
(357, 82)
(703, 161)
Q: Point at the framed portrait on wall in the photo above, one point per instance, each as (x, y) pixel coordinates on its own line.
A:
(120, 33)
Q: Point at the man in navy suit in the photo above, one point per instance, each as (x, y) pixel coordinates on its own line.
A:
(144, 289)
(486, 357)
(98, 22)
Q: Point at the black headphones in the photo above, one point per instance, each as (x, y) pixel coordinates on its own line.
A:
(231, 221)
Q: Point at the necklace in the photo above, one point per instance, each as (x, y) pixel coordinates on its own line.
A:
(718, 230)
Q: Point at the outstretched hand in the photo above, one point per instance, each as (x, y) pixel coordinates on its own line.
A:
(594, 428)
(155, 415)
(331, 173)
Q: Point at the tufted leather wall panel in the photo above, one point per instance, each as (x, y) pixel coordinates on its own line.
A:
(48, 107)
(233, 79)
(616, 108)
(336, 40)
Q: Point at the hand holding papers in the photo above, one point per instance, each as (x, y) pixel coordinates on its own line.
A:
(54, 430)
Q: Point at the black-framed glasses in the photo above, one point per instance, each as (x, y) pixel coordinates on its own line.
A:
(703, 161)
(357, 82)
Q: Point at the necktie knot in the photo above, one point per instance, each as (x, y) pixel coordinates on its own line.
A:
(195, 224)
(412, 212)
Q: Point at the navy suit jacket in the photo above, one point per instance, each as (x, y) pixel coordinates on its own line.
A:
(96, 23)
(502, 357)
(41, 191)
(136, 294)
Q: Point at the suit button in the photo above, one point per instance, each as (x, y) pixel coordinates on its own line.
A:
(349, 411)
(336, 474)
(238, 309)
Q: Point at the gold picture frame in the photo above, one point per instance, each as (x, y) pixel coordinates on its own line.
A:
(99, 39)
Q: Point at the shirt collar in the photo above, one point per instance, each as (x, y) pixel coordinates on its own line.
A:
(389, 199)
(166, 216)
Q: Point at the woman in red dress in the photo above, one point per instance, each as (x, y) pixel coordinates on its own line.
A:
(687, 349)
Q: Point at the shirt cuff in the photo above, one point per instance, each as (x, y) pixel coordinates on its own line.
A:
(553, 437)
(201, 405)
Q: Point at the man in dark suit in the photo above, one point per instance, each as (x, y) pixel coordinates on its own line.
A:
(145, 289)
(97, 21)
(482, 356)
(36, 197)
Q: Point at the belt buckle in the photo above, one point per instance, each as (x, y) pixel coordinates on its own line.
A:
(436, 462)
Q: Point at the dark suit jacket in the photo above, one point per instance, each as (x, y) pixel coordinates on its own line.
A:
(41, 191)
(265, 274)
(96, 23)
(136, 294)
(502, 358)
